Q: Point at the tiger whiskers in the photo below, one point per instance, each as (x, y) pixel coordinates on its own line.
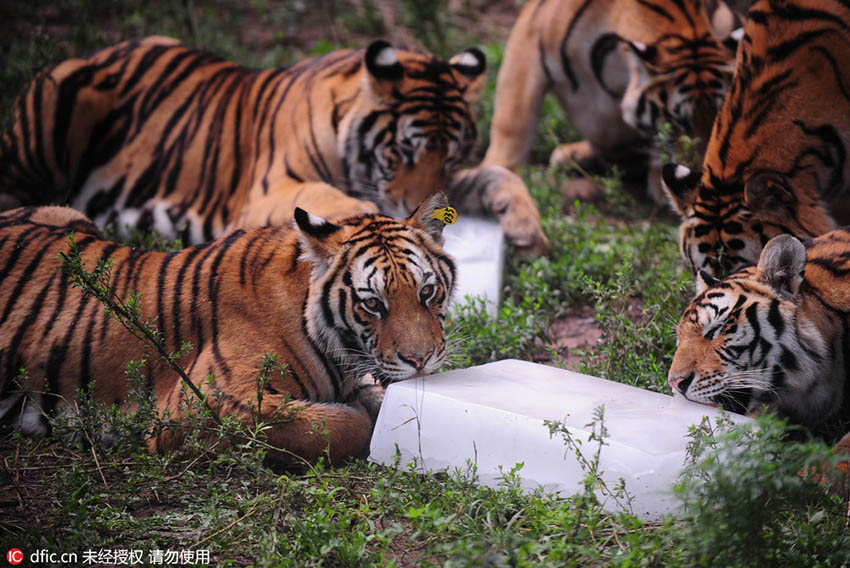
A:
(454, 350)
(759, 379)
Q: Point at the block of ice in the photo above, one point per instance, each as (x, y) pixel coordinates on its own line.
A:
(478, 246)
(493, 416)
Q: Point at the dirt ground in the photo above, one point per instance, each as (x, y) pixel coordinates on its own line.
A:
(573, 332)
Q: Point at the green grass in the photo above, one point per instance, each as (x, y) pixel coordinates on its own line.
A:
(630, 272)
(71, 496)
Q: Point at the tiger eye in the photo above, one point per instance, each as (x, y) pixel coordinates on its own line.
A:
(372, 303)
(427, 290)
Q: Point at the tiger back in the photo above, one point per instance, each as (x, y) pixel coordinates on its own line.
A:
(342, 304)
(157, 135)
(620, 69)
(776, 161)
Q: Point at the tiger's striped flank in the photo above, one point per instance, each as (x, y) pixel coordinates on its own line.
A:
(157, 135)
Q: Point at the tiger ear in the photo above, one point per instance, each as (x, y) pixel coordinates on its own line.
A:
(704, 281)
(318, 237)
(646, 53)
(637, 56)
(383, 68)
(781, 265)
(768, 191)
(471, 63)
(732, 41)
(428, 217)
(680, 185)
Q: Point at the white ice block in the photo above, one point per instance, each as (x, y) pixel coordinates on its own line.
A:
(493, 415)
(478, 246)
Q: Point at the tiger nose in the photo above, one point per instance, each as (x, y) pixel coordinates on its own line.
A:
(681, 384)
(416, 361)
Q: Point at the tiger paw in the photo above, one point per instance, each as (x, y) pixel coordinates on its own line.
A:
(580, 153)
(501, 193)
(517, 213)
(370, 395)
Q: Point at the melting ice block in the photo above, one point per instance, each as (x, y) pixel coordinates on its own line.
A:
(478, 246)
(493, 415)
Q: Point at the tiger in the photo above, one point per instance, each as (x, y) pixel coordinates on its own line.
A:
(776, 161)
(774, 335)
(347, 305)
(153, 134)
(620, 69)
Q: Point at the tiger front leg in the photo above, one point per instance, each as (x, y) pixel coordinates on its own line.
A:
(304, 431)
(277, 207)
(497, 191)
(296, 432)
(520, 88)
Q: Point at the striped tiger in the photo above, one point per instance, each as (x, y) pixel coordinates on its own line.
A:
(773, 335)
(342, 303)
(777, 157)
(156, 135)
(621, 69)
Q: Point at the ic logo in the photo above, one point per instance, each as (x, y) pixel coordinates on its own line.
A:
(15, 556)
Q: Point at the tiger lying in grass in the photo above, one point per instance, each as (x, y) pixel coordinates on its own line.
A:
(156, 135)
(341, 303)
(776, 335)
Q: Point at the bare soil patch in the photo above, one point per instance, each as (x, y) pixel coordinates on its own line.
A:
(573, 332)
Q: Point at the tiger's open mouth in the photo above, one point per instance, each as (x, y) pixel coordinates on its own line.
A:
(736, 401)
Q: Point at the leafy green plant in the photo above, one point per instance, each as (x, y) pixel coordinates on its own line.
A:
(593, 480)
(681, 149)
(638, 318)
(749, 500)
(148, 240)
(427, 20)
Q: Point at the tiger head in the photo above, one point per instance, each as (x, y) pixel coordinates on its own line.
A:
(413, 126)
(379, 290)
(726, 222)
(681, 78)
(752, 340)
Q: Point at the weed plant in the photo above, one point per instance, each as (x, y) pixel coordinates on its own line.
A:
(750, 499)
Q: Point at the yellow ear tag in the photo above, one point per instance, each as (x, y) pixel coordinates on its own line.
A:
(447, 215)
